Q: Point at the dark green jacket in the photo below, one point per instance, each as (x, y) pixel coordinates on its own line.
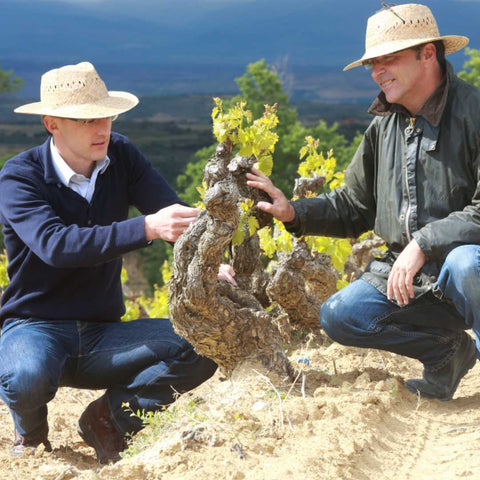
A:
(420, 182)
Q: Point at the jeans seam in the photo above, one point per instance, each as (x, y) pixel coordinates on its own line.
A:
(374, 327)
(446, 360)
(477, 263)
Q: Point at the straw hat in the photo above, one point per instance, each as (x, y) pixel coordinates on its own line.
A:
(398, 27)
(77, 91)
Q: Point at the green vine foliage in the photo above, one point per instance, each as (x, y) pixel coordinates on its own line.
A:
(312, 163)
(471, 71)
(232, 121)
(153, 306)
(257, 138)
(261, 85)
(249, 137)
(3, 271)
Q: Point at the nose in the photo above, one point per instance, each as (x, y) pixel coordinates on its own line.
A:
(103, 125)
(377, 69)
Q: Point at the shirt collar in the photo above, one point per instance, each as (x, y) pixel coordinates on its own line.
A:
(64, 171)
(432, 110)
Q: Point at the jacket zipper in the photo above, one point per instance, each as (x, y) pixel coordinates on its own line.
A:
(408, 132)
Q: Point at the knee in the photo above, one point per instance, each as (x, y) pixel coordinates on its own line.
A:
(461, 264)
(207, 368)
(334, 320)
(194, 367)
(27, 386)
(462, 260)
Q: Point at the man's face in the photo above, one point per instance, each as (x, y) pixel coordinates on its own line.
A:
(81, 143)
(399, 75)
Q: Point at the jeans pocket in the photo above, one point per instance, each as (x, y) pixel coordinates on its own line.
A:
(13, 322)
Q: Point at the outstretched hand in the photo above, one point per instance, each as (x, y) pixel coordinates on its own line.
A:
(169, 222)
(280, 207)
(406, 266)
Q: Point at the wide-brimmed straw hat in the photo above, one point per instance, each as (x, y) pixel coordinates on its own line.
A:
(397, 27)
(77, 91)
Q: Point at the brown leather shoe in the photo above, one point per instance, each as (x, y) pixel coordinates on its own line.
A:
(23, 446)
(97, 430)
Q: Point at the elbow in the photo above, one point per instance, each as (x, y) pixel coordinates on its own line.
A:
(59, 256)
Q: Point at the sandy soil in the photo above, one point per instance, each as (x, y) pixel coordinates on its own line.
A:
(348, 416)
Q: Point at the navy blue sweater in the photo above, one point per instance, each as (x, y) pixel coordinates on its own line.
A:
(65, 253)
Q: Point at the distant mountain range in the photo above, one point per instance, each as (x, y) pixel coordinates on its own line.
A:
(181, 46)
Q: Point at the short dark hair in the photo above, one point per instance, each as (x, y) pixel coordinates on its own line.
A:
(440, 53)
(440, 47)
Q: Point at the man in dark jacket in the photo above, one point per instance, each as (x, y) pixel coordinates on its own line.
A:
(414, 180)
(64, 206)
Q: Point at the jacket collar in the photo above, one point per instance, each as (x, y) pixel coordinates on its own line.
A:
(432, 110)
(45, 158)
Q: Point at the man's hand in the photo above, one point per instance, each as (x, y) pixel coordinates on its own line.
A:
(169, 222)
(400, 280)
(281, 209)
(227, 273)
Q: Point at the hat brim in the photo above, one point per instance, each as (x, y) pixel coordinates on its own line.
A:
(115, 104)
(452, 43)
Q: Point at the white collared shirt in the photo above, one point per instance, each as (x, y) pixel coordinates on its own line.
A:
(79, 183)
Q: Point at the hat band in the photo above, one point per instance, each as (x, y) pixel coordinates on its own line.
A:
(73, 92)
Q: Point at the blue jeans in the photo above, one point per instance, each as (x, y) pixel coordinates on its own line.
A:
(428, 329)
(144, 363)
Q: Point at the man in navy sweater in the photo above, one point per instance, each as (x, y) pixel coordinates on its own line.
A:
(64, 206)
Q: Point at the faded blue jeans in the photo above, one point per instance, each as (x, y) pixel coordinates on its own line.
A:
(428, 329)
(143, 362)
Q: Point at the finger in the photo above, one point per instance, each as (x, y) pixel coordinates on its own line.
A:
(188, 212)
(185, 221)
(409, 285)
(390, 284)
(266, 187)
(398, 296)
(258, 173)
(255, 178)
(389, 288)
(266, 207)
(182, 222)
(403, 293)
(226, 268)
(177, 229)
(395, 281)
(399, 287)
(228, 278)
(226, 272)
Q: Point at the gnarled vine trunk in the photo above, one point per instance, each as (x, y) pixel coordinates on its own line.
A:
(230, 324)
(300, 283)
(224, 323)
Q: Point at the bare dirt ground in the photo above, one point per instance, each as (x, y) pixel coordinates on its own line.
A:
(348, 416)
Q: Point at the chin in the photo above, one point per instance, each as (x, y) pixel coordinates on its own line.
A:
(100, 154)
(391, 98)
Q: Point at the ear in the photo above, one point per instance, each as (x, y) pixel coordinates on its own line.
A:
(50, 123)
(429, 53)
